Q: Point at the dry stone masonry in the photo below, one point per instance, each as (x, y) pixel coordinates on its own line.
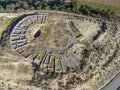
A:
(46, 58)
(18, 35)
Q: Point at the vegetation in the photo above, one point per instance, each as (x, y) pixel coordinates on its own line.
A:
(96, 12)
(101, 6)
(114, 3)
(1, 9)
(73, 6)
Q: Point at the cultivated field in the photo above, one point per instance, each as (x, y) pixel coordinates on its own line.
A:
(108, 2)
(102, 4)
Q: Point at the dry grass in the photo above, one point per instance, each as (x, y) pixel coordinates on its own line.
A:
(107, 2)
(101, 5)
(4, 22)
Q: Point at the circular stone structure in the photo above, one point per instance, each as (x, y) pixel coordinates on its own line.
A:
(53, 40)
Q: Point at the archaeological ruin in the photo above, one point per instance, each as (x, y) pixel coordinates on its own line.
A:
(53, 40)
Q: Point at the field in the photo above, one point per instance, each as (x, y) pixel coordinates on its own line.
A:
(107, 2)
(115, 8)
(103, 4)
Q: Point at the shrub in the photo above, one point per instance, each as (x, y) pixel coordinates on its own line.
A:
(1, 9)
(10, 8)
(75, 5)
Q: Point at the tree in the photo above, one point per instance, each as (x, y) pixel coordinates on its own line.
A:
(85, 10)
(47, 7)
(10, 8)
(55, 7)
(26, 6)
(32, 8)
(113, 13)
(20, 9)
(75, 5)
(62, 7)
(110, 13)
(1, 9)
(37, 3)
